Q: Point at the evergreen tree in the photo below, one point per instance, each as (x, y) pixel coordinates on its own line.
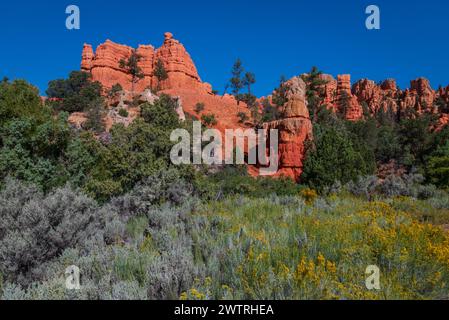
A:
(343, 104)
(332, 158)
(160, 73)
(280, 93)
(315, 91)
(74, 94)
(95, 116)
(249, 80)
(236, 81)
(269, 112)
(437, 167)
(132, 67)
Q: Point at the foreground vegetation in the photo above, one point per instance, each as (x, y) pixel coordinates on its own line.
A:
(278, 247)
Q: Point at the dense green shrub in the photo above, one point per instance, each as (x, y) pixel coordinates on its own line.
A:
(133, 153)
(209, 119)
(116, 88)
(32, 140)
(74, 94)
(19, 99)
(236, 181)
(269, 111)
(123, 113)
(95, 112)
(243, 117)
(437, 168)
(199, 107)
(162, 113)
(388, 146)
(333, 157)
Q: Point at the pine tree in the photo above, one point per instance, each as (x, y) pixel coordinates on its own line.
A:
(249, 80)
(315, 91)
(95, 116)
(132, 66)
(280, 93)
(160, 73)
(236, 81)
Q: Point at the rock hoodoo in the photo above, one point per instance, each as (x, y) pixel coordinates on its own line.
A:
(295, 129)
(347, 104)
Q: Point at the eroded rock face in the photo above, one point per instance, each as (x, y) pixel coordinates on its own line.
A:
(295, 129)
(104, 65)
(420, 97)
(337, 96)
(183, 80)
(347, 104)
(368, 96)
(330, 91)
(87, 58)
(181, 70)
(424, 95)
(375, 97)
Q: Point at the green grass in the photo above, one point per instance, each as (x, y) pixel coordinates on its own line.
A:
(281, 248)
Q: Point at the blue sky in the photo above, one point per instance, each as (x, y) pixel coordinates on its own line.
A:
(273, 38)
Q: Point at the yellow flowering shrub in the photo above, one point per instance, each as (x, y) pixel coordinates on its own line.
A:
(309, 195)
(282, 250)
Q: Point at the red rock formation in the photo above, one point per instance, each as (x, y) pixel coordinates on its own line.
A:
(425, 96)
(183, 79)
(367, 91)
(295, 129)
(181, 70)
(443, 122)
(337, 97)
(330, 91)
(376, 97)
(147, 54)
(87, 58)
(420, 98)
(346, 103)
(104, 66)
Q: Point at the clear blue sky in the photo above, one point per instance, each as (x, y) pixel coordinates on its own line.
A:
(271, 37)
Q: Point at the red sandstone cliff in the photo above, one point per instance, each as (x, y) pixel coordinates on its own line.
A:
(104, 65)
(349, 101)
(183, 78)
(295, 129)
